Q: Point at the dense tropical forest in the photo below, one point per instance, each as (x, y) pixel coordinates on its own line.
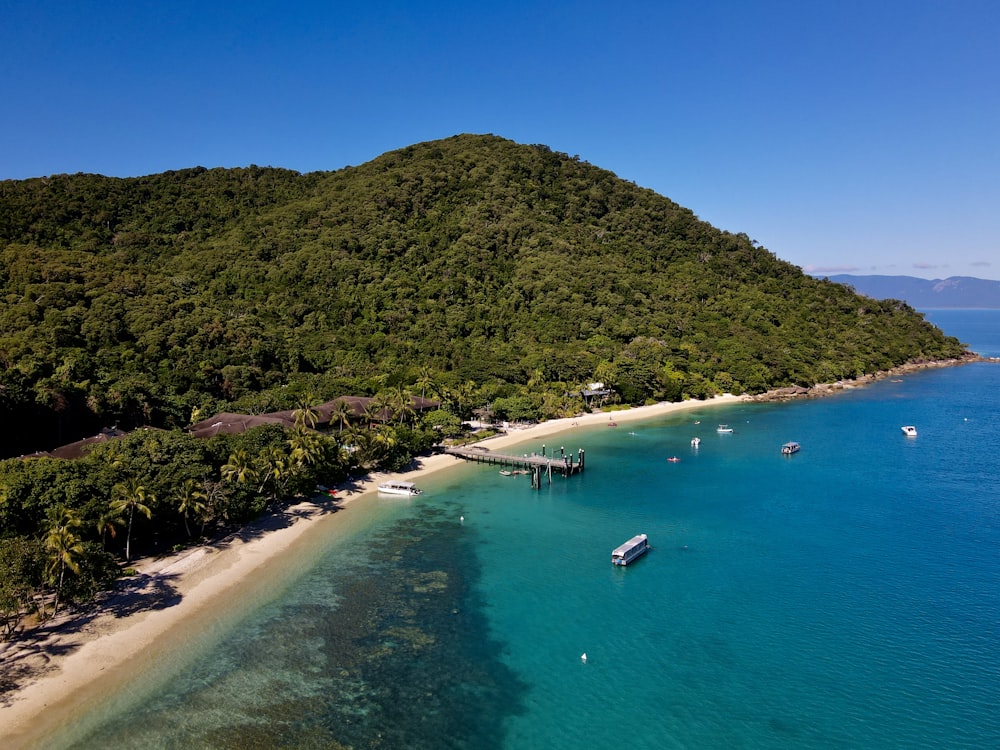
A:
(472, 270)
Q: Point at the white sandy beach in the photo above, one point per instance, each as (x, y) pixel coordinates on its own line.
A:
(108, 650)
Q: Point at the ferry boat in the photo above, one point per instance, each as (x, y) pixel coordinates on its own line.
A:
(909, 430)
(789, 448)
(633, 548)
(724, 428)
(399, 488)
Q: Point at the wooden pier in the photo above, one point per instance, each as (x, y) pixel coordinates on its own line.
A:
(538, 465)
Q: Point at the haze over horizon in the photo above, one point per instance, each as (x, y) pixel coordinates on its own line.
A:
(848, 138)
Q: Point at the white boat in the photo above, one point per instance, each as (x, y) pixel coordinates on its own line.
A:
(724, 428)
(909, 430)
(789, 448)
(633, 548)
(399, 488)
(695, 442)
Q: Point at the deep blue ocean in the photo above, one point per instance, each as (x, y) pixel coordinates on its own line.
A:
(847, 596)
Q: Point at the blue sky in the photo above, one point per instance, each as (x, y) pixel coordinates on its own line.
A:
(846, 137)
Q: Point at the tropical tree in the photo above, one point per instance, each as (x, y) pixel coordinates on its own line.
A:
(127, 498)
(63, 548)
(305, 448)
(216, 503)
(305, 414)
(341, 412)
(107, 525)
(378, 409)
(273, 470)
(402, 404)
(22, 572)
(190, 498)
(425, 381)
(239, 468)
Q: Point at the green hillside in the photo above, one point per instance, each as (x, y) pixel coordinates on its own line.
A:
(483, 264)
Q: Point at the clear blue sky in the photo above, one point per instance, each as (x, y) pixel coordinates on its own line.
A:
(856, 137)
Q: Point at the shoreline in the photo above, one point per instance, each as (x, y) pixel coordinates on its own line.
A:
(59, 674)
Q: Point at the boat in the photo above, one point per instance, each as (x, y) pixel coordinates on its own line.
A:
(695, 442)
(673, 459)
(612, 424)
(909, 430)
(789, 448)
(506, 473)
(724, 428)
(399, 488)
(633, 548)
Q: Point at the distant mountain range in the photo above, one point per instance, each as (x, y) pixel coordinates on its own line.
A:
(955, 291)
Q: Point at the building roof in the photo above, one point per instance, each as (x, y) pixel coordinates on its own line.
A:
(228, 423)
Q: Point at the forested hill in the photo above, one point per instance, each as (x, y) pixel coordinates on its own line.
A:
(483, 264)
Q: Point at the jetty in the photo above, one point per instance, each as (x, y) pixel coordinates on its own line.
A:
(536, 464)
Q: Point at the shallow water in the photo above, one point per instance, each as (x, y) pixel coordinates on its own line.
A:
(846, 596)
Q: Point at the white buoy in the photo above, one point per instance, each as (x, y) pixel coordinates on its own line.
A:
(462, 519)
(583, 657)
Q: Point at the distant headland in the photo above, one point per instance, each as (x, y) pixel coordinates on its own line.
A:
(955, 291)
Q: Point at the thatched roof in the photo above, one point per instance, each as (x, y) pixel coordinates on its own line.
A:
(79, 448)
(229, 423)
(357, 406)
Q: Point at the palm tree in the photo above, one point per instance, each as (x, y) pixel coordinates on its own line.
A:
(464, 395)
(107, 525)
(306, 448)
(239, 469)
(342, 413)
(127, 498)
(64, 548)
(274, 469)
(402, 403)
(190, 499)
(215, 503)
(377, 444)
(305, 415)
(377, 409)
(425, 381)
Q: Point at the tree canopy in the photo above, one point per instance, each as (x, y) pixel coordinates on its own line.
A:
(140, 300)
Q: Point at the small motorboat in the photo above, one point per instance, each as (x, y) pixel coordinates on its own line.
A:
(909, 430)
(673, 459)
(506, 473)
(789, 448)
(724, 429)
(399, 488)
(695, 442)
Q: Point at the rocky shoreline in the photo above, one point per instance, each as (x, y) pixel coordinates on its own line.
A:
(821, 390)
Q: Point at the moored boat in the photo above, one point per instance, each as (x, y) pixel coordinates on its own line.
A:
(633, 548)
(695, 442)
(724, 428)
(399, 488)
(909, 430)
(789, 448)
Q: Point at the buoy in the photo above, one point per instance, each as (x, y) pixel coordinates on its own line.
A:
(583, 657)
(461, 519)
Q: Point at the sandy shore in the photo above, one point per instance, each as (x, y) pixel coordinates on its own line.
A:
(60, 673)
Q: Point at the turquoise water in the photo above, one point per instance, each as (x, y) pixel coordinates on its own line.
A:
(846, 596)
